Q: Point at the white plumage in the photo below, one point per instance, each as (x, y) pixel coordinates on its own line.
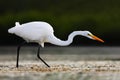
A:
(33, 31)
(41, 32)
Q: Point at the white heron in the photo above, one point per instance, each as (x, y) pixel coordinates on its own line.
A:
(42, 32)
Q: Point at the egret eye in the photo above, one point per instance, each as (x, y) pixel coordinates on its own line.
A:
(88, 34)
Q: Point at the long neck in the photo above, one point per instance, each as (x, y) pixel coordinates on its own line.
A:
(54, 40)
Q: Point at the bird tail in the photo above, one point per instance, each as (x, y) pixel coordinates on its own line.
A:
(11, 30)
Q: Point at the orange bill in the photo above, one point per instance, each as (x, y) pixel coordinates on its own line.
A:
(96, 38)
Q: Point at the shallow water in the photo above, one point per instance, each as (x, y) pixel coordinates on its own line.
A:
(62, 53)
(68, 63)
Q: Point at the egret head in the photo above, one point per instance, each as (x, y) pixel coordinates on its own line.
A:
(91, 36)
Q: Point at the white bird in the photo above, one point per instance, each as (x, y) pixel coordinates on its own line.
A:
(42, 32)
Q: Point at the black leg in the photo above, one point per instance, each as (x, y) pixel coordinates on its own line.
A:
(41, 58)
(18, 49)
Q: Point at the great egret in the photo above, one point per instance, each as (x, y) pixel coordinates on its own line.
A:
(41, 32)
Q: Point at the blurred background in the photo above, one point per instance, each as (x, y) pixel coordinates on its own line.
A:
(101, 17)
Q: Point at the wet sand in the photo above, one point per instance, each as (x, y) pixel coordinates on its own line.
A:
(65, 70)
(85, 63)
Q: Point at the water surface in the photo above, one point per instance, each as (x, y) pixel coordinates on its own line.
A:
(68, 63)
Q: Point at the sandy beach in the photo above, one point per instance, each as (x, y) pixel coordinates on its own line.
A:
(64, 64)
